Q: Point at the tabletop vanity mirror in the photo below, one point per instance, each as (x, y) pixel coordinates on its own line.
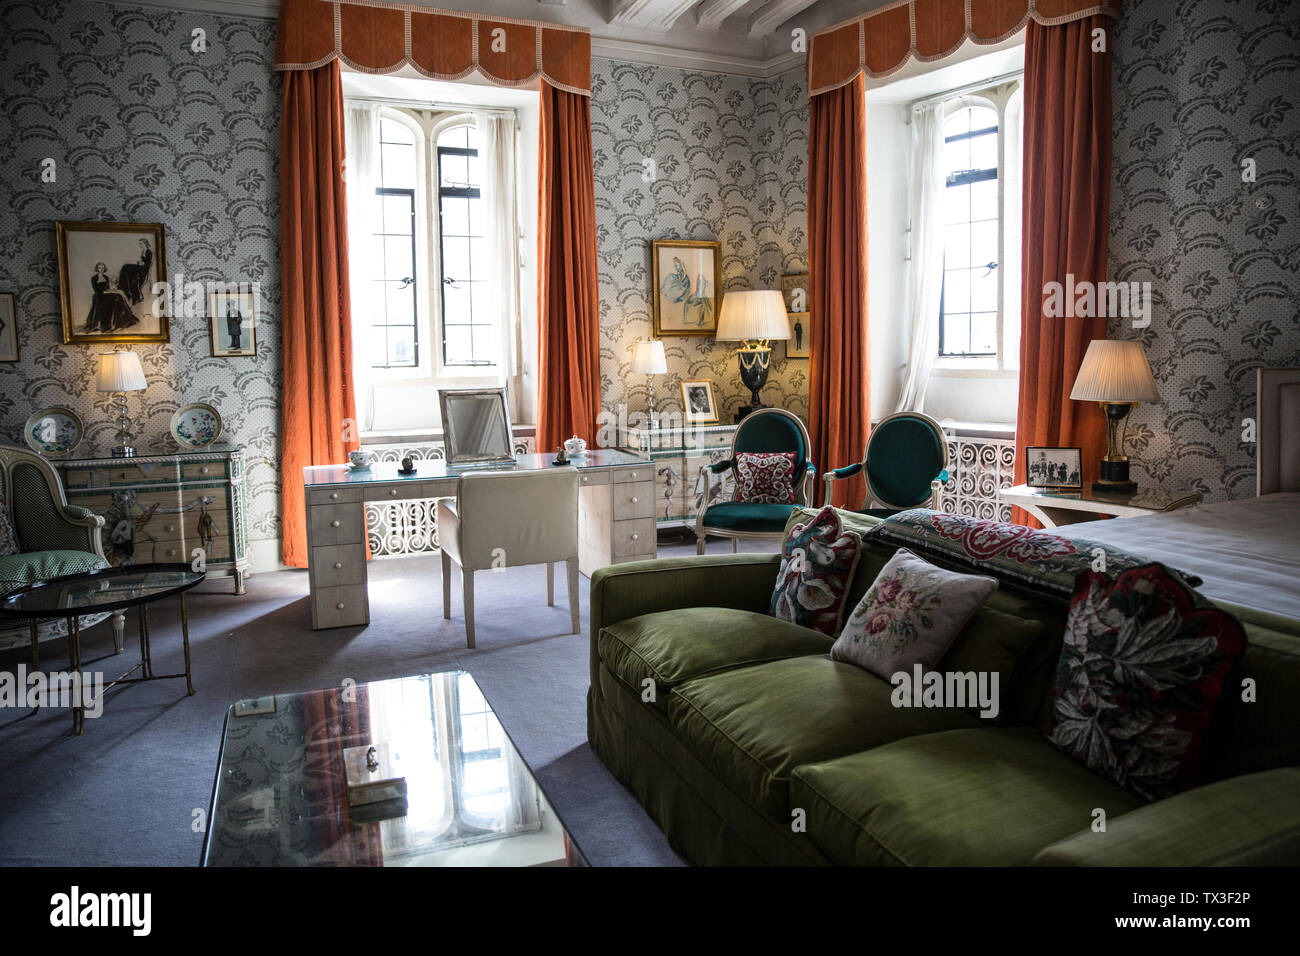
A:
(476, 427)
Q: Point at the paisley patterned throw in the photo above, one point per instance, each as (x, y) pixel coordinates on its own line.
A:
(8, 538)
(817, 564)
(911, 614)
(765, 477)
(1143, 663)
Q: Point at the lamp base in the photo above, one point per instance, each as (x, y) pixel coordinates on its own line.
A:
(123, 451)
(1114, 478)
(745, 410)
(1115, 488)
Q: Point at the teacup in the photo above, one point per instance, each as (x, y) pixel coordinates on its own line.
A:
(361, 458)
(575, 446)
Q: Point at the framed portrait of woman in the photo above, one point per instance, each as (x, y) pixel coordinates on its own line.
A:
(107, 272)
(687, 286)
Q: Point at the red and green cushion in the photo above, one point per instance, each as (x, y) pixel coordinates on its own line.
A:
(1143, 662)
(765, 477)
(817, 563)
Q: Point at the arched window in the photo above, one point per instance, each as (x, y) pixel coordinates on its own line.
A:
(968, 321)
(469, 335)
(393, 311)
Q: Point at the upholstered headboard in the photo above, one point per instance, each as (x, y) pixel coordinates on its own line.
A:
(1278, 418)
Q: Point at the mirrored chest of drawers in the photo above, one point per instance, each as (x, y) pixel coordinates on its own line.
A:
(164, 508)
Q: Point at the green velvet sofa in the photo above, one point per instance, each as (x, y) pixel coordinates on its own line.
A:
(748, 745)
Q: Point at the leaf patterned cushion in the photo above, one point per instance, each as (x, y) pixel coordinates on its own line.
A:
(1144, 661)
(910, 615)
(8, 539)
(817, 563)
(765, 477)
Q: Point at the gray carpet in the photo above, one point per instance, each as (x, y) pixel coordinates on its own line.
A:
(125, 793)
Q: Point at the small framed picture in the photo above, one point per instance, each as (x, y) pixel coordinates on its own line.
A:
(8, 328)
(797, 346)
(1059, 468)
(698, 403)
(232, 323)
(795, 291)
(688, 286)
(107, 274)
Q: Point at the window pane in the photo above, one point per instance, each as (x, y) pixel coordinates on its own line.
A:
(399, 299)
(984, 151)
(984, 241)
(455, 302)
(956, 157)
(397, 257)
(984, 199)
(984, 290)
(454, 170)
(956, 249)
(455, 258)
(485, 343)
(455, 217)
(397, 166)
(956, 291)
(984, 333)
(475, 166)
(455, 136)
(391, 131)
(459, 344)
(956, 334)
(398, 213)
(401, 346)
(957, 200)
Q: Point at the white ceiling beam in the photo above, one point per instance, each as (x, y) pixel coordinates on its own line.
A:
(711, 13)
(657, 16)
(771, 15)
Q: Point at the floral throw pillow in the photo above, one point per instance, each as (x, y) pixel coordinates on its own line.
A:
(910, 615)
(8, 539)
(817, 563)
(765, 477)
(1143, 662)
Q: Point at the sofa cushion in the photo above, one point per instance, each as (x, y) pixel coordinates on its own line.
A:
(17, 570)
(747, 516)
(985, 797)
(817, 562)
(670, 647)
(754, 725)
(766, 477)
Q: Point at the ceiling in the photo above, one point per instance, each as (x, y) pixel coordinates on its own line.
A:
(751, 37)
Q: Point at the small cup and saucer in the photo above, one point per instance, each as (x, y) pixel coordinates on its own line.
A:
(360, 460)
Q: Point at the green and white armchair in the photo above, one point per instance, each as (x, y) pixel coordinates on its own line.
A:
(52, 538)
(905, 466)
(766, 430)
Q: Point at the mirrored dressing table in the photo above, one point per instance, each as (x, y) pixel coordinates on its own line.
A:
(615, 519)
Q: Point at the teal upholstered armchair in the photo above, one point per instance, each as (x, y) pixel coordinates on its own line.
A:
(53, 537)
(766, 430)
(905, 466)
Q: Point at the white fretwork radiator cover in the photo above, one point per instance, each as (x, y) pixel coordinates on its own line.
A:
(399, 528)
(977, 468)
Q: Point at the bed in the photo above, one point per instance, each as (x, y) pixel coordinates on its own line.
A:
(1248, 550)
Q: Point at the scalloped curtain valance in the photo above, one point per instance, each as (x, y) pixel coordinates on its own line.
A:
(881, 42)
(375, 37)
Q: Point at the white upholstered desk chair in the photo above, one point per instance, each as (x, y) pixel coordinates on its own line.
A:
(507, 519)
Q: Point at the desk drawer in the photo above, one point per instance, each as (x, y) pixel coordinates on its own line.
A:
(644, 472)
(634, 499)
(333, 566)
(340, 607)
(336, 524)
(391, 492)
(202, 470)
(332, 496)
(635, 536)
(600, 477)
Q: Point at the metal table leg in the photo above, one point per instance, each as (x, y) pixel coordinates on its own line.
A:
(185, 638)
(74, 655)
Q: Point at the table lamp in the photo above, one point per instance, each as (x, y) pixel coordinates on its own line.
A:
(119, 373)
(754, 318)
(1115, 374)
(649, 359)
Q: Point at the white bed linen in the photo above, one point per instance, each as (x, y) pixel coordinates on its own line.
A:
(1248, 550)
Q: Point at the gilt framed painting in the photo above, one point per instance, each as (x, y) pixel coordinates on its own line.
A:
(687, 286)
(232, 323)
(107, 272)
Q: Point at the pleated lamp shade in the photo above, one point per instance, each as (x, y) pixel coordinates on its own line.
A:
(753, 315)
(649, 359)
(119, 372)
(1115, 371)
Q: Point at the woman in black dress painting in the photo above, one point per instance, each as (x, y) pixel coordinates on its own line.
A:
(109, 308)
(133, 276)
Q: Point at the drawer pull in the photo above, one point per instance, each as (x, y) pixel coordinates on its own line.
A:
(338, 565)
(634, 474)
(171, 553)
(392, 492)
(171, 527)
(636, 537)
(334, 523)
(203, 470)
(339, 606)
(334, 496)
(634, 499)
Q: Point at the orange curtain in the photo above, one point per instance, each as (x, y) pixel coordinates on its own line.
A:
(839, 395)
(568, 336)
(1067, 153)
(317, 402)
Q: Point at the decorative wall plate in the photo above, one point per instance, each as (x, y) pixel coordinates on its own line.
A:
(54, 431)
(196, 425)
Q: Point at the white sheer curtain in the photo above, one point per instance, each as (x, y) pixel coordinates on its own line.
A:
(361, 139)
(925, 279)
(496, 137)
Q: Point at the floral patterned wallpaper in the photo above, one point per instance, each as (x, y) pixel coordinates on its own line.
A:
(142, 128)
(731, 164)
(1200, 86)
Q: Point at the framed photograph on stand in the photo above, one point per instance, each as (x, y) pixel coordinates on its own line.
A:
(8, 328)
(687, 286)
(698, 403)
(232, 323)
(107, 272)
(1057, 469)
(798, 346)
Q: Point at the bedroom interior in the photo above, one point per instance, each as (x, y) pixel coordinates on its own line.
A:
(907, 390)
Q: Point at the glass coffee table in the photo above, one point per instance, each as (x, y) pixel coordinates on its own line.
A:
(436, 781)
(108, 589)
